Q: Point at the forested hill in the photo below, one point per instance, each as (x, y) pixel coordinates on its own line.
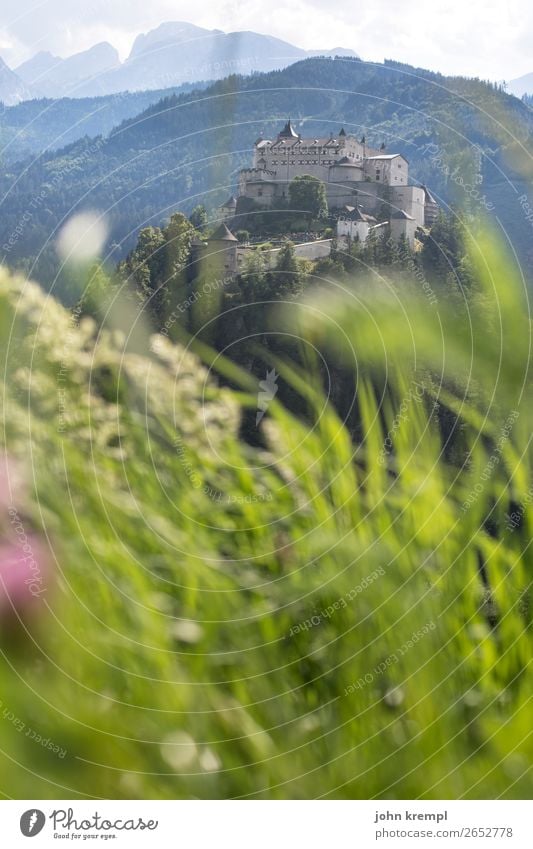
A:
(188, 148)
(36, 125)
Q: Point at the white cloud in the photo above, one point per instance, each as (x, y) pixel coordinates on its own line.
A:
(480, 37)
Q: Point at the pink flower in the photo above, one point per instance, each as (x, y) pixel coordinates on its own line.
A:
(23, 575)
(24, 558)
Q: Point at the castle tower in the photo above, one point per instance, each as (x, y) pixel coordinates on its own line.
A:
(227, 209)
(216, 257)
(402, 224)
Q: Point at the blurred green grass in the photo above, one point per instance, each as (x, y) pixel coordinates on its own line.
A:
(164, 657)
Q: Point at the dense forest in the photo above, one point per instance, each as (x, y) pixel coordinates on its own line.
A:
(46, 124)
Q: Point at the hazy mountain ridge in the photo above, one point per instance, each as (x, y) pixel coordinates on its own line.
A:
(170, 55)
(30, 127)
(50, 76)
(521, 85)
(12, 88)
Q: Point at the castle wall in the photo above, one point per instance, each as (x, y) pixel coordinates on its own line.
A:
(410, 199)
(306, 250)
(391, 172)
(313, 250)
(341, 194)
(403, 227)
(215, 258)
(253, 175)
(345, 173)
(299, 170)
(347, 229)
(289, 160)
(431, 213)
(304, 156)
(262, 192)
(354, 149)
(367, 195)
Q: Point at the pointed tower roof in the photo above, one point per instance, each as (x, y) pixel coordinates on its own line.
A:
(401, 214)
(342, 133)
(287, 132)
(355, 213)
(429, 196)
(231, 203)
(223, 234)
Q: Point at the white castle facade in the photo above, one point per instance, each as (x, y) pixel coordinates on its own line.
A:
(354, 174)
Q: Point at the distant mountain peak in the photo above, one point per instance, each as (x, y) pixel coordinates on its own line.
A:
(41, 56)
(103, 47)
(54, 77)
(175, 32)
(521, 85)
(12, 88)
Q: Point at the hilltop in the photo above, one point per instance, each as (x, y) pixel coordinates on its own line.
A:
(188, 147)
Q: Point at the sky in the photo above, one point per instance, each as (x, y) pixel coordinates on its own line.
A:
(482, 38)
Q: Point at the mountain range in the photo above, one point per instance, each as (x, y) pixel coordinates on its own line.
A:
(50, 76)
(172, 54)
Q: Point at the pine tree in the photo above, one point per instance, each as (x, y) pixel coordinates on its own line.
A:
(286, 280)
(198, 217)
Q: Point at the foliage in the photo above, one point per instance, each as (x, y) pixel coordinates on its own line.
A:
(308, 194)
(158, 265)
(198, 217)
(315, 617)
(286, 278)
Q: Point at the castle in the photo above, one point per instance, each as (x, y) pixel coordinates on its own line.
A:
(367, 191)
(355, 175)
